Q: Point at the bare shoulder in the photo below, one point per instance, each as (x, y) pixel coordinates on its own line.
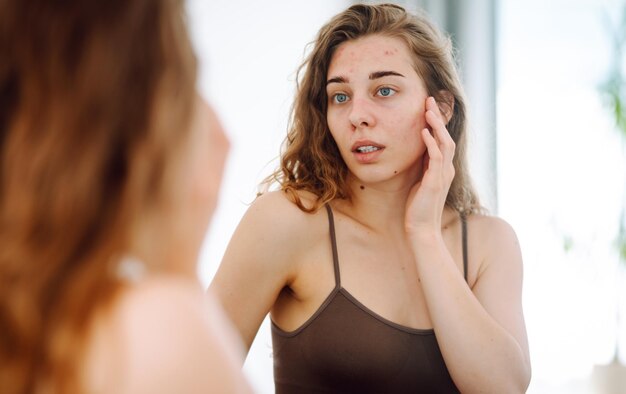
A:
(495, 241)
(271, 244)
(165, 335)
(276, 218)
(280, 206)
(492, 229)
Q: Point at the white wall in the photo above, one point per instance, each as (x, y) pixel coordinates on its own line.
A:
(249, 52)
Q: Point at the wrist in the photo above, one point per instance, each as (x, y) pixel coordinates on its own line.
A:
(422, 230)
(424, 234)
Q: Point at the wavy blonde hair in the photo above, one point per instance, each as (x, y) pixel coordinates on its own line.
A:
(95, 99)
(310, 159)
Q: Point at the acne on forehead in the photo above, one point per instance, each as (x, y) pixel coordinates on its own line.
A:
(391, 46)
(338, 50)
(376, 45)
(391, 51)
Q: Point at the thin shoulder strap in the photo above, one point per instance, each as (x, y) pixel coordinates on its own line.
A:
(331, 226)
(464, 233)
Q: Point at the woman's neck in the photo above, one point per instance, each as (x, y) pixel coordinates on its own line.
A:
(381, 206)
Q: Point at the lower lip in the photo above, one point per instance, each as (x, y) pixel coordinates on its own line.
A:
(369, 157)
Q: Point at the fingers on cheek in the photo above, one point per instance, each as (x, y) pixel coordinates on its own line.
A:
(431, 104)
(433, 118)
(429, 117)
(433, 149)
(428, 138)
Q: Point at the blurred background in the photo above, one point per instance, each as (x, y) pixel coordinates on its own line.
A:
(544, 85)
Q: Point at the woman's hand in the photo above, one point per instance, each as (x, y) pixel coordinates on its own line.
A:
(427, 198)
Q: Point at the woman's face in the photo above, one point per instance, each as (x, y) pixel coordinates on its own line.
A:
(206, 156)
(376, 105)
(197, 180)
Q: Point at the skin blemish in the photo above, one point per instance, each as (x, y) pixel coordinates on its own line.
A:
(362, 187)
(395, 172)
(392, 51)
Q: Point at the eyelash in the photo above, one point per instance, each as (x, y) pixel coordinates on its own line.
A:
(392, 92)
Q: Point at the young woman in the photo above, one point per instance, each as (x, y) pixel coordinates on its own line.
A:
(379, 269)
(110, 166)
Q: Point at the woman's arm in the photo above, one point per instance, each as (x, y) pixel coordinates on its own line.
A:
(480, 331)
(260, 261)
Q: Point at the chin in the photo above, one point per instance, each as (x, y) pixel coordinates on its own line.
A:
(371, 177)
(380, 174)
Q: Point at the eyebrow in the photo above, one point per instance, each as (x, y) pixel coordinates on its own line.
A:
(337, 80)
(372, 76)
(381, 74)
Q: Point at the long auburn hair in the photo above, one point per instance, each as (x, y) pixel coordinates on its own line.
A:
(95, 96)
(310, 159)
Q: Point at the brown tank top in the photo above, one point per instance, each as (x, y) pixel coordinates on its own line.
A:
(347, 348)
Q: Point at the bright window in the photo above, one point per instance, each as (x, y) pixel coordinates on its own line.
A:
(561, 182)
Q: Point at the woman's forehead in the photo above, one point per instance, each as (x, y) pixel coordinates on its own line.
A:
(369, 54)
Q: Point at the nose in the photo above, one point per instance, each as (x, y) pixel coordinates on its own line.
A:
(361, 113)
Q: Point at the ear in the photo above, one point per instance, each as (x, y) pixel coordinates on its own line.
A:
(446, 104)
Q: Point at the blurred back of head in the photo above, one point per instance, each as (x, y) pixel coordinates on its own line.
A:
(96, 98)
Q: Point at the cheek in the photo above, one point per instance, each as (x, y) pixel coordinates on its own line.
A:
(413, 144)
(213, 148)
(208, 156)
(335, 131)
(332, 121)
(419, 119)
(411, 131)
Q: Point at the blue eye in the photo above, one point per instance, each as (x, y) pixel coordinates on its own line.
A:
(340, 98)
(386, 92)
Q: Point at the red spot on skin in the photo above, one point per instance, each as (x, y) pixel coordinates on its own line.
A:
(391, 52)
